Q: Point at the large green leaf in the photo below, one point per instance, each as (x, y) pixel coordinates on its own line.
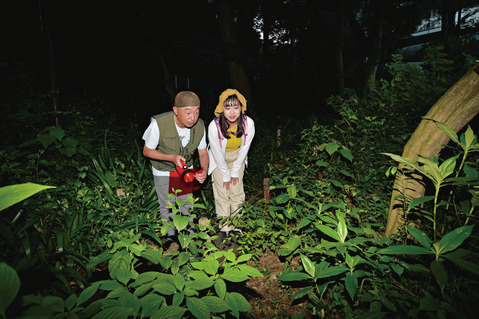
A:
(232, 303)
(304, 222)
(429, 303)
(234, 275)
(127, 299)
(115, 312)
(351, 282)
(109, 285)
(431, 170)
(456, 257)
(418, 201)
(88, 293)
(405, 249)
(454, 239)
(283, 198)
(165, 288)
(244, 258)
(57, 132)
(294, 276)
(250, 271)
(329, 231)
(12, 194)
(241, 303)
(70, 302)
(9, 286)
(220, 288)
(215, 304)
(179, 281)
(183, 258)
(200, 284)
(448, 166)
(178, 299)
(331, 271)
(347, 154)
(449, 132)
(331, 148)
(181, 222)
(403, 160)
(290, 246)
(211, 268)
(342, 230)
(420, 236)
(46, 140)
(119, 266)
(469, 137)
(169, 312)
(152, 255)
(292, 192)
(150, 304)
(198, 308)
(439, 272)
(308, 265)
(301, 293)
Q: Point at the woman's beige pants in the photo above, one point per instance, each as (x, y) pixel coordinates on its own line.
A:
(228, 202)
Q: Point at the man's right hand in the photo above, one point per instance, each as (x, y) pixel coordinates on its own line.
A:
(177, 160)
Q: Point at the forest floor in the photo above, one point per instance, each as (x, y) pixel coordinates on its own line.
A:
(268, 297)
(272, 299)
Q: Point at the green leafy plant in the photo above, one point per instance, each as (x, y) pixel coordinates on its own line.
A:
(9, 287)
(345, 266)
(446, 248)
(147, 281)
(9, 280)
(439, 174)
(10, 195)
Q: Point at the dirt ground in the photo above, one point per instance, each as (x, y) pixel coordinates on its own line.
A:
(271, 300)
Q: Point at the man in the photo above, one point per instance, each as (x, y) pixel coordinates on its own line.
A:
(173, 137)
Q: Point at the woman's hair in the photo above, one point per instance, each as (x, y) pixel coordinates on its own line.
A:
(232, 100)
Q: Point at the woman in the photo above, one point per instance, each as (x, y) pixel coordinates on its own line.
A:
(230, 135)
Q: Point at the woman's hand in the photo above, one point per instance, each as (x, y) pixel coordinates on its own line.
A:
(235, 180)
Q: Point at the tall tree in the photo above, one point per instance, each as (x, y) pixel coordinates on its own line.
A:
(237, 71)
(374, 38)
(455, 108)
(51, 56)
(339, 48)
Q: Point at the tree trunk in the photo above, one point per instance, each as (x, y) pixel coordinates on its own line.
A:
(448, 27)
(455, 108)
(375, 38)
(267, 13)
(51, 60)
(339, 49)
(238, 76)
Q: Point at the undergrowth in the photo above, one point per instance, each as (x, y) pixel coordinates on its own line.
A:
(94, 245)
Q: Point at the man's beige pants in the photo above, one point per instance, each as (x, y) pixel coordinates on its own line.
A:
(228, 202)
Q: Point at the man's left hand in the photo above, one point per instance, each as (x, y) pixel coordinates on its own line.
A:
(201, 177)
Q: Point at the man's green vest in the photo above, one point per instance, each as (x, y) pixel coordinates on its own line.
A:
(170, 142)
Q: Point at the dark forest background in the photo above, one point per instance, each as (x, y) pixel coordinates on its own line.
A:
(137, 54)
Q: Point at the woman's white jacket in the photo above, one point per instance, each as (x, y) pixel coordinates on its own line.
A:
(217, 149)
